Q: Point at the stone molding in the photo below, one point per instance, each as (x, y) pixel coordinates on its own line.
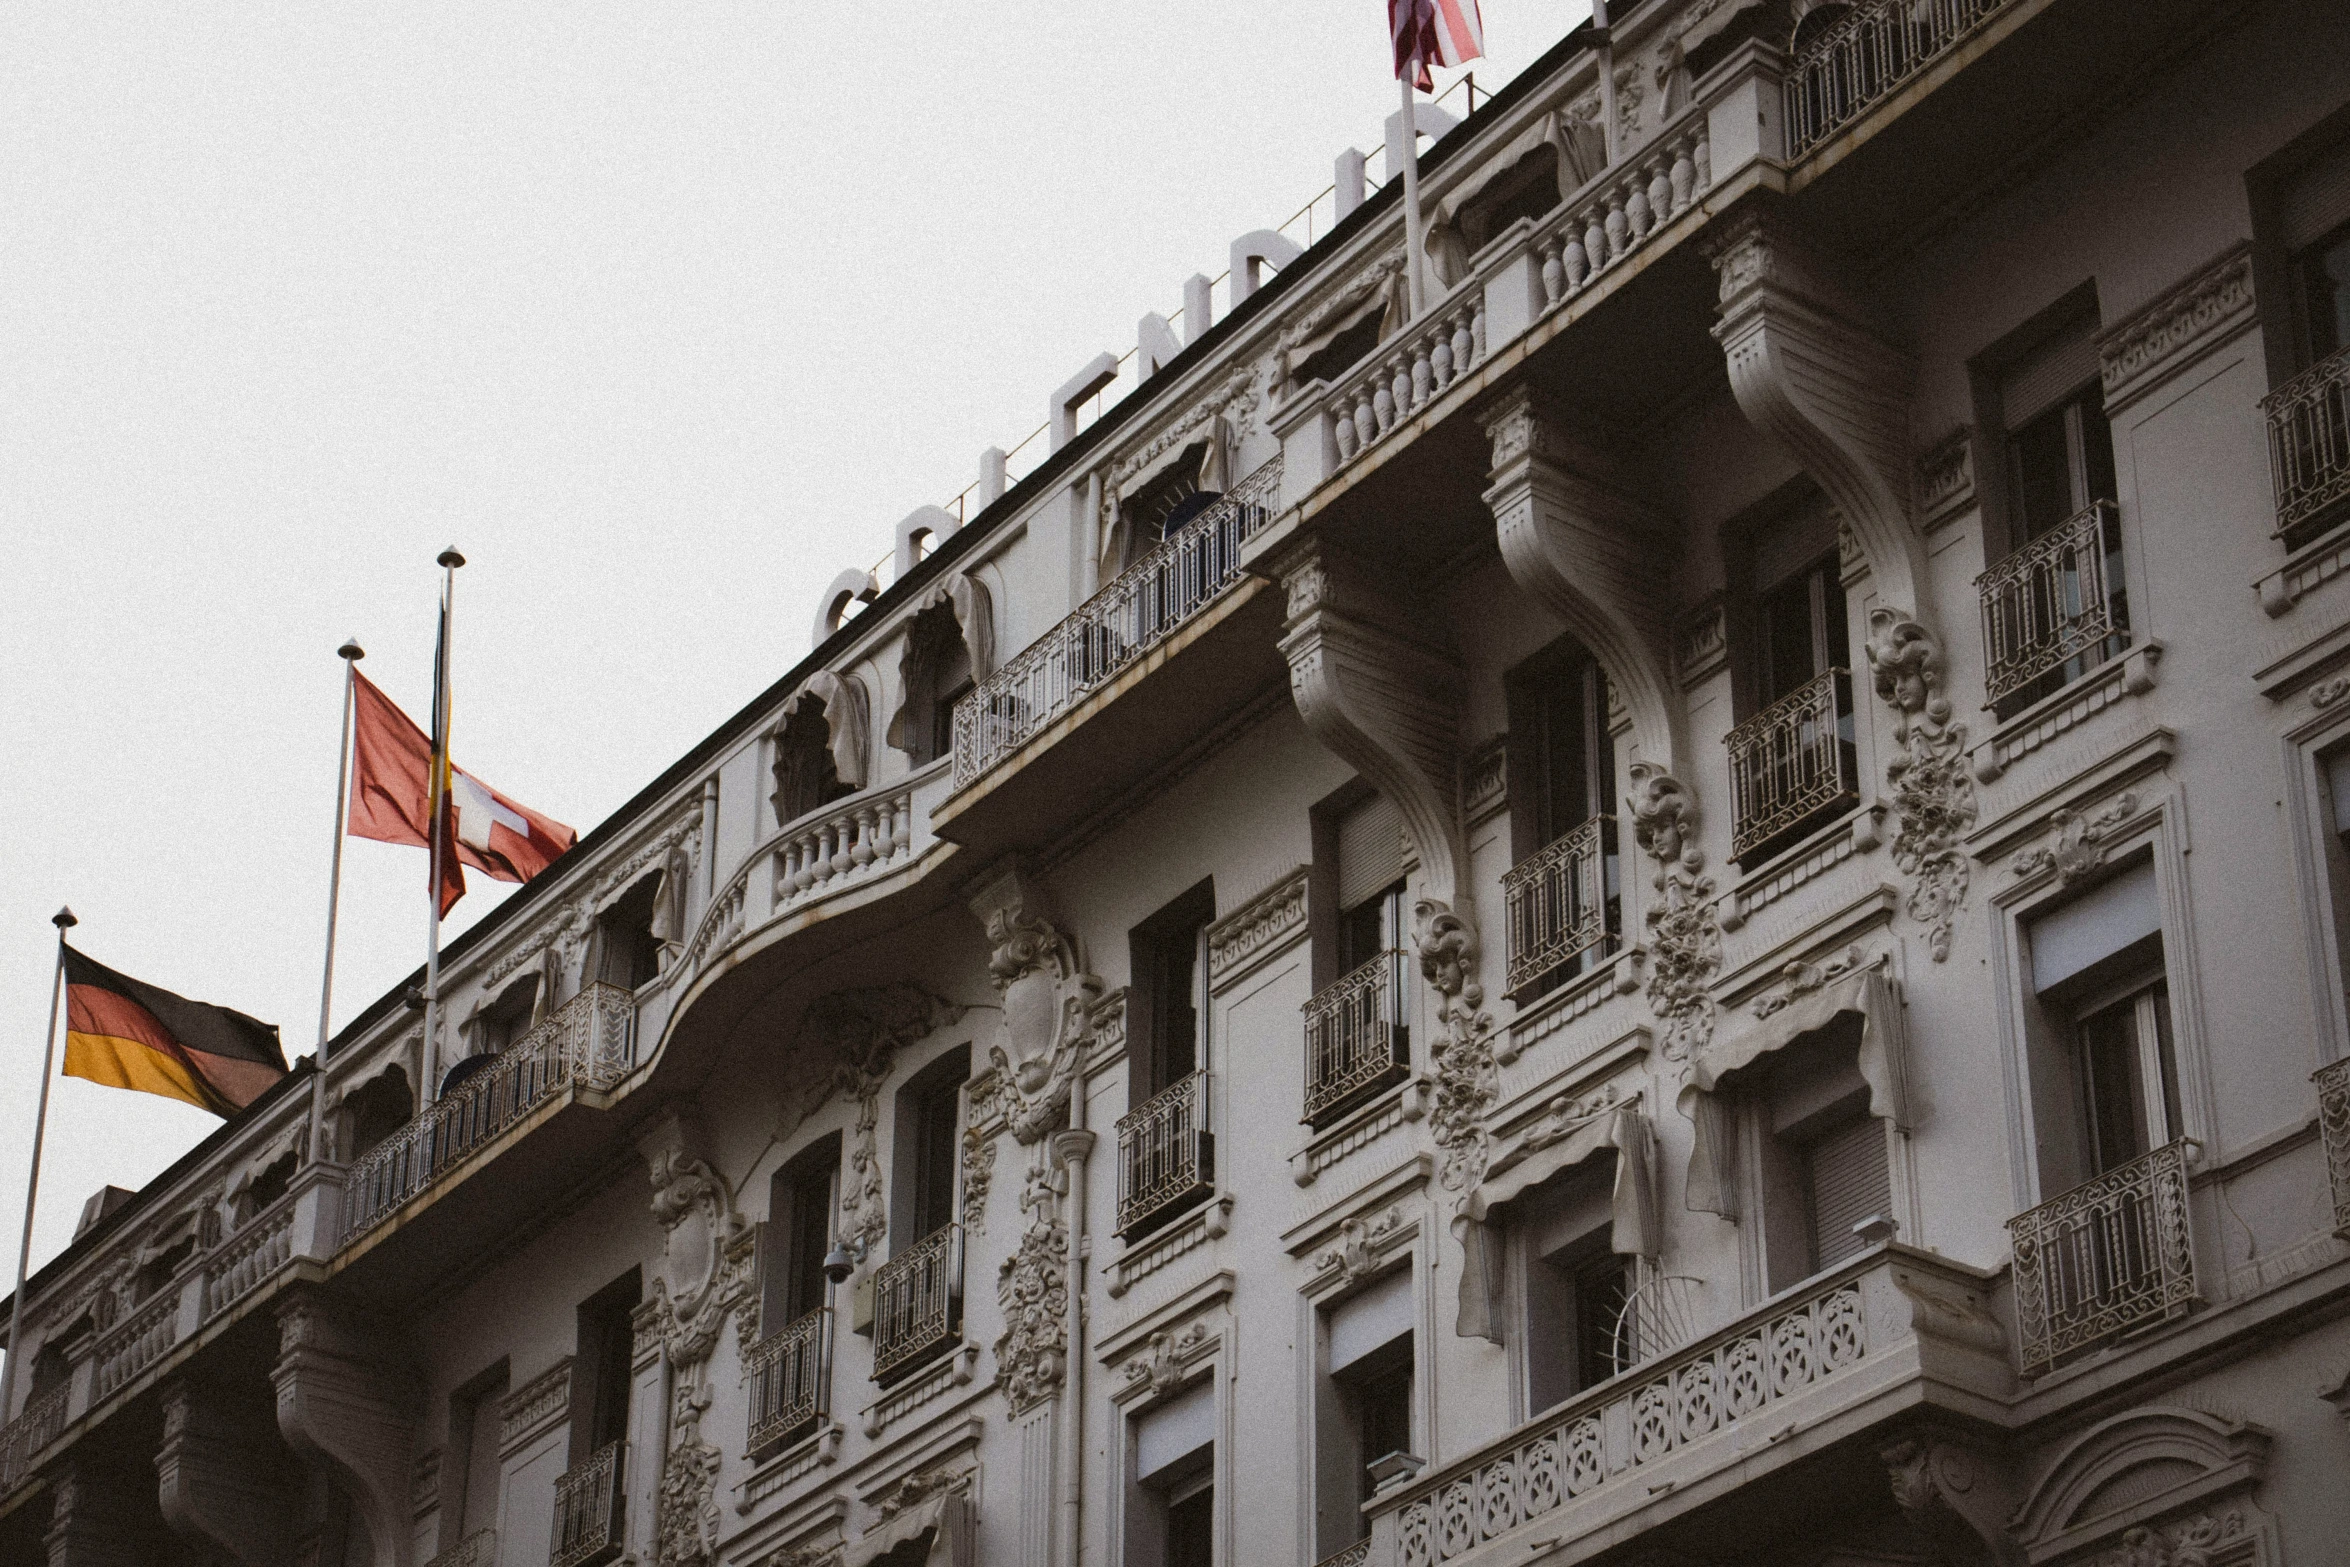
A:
(1253, 933)
(535, 1407)
(1946, 480)
(2177, 328)
(1701, 640)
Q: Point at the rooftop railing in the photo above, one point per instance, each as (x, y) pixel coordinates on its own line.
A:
(1867, 57)
(1560, 902)
(588, 1503)
(1145, 605)
(2309, 446)
(1790, 763)
(589, 1040)
(2051, 604)
(2108, 1257)
(790, 1372)
(1166, 1155)
(918, 1303)
(2333, 1121)
(1357, 1037)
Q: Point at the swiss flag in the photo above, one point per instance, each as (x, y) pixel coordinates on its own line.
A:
(391, 802)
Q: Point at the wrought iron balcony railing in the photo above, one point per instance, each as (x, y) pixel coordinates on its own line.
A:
(790, 1372)
(589, 1040)
(1865, 58)
(2309, 446)
(1147, 603)
(1561, 902)
(25, 1437)
(2111, 1255)
(1791, 763)
(2333, 1121)
(589, 1504)
(1166, 1155)
(2052, 604)
(1358, 1037)
(918, 1303)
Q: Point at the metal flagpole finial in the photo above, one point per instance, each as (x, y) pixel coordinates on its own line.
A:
(449, 557)
(64, 921)
(351, 650)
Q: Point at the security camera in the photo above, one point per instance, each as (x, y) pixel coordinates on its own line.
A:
(838, 1264)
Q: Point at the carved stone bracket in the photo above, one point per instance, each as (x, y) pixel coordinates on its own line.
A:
(341, 1404)
(222, 1478)
(1580, 543)
(1956, 1497)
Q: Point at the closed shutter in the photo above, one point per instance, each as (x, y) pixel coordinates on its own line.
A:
(1370, 850)
(1849, 1182)
(2318, 200)
(2062, 363)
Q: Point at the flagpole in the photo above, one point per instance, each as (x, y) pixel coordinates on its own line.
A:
(350, 653)
(436, 797)
(64, 921)
(1415, 243)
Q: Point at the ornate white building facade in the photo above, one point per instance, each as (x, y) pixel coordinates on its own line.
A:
(1690, 907)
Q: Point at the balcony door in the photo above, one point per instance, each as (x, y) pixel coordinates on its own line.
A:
(1561, 765)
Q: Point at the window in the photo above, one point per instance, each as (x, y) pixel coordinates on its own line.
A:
(266, 1188)
(1561, 765)
(797, 1235)
(51, 1371)
(929, 1141)
(376, 1109)
(469, 1463)
(501, 1022)
(2060, 462)
(1357, 1034)
(1365, 1403)
(1792, 764)
(602, 1366)
(935, 672)
(628, 954)
(2104, 1071)
(806, 776)
(1166, 993)
(1824, 1168)
(1171, 1503)
(1573, 1287)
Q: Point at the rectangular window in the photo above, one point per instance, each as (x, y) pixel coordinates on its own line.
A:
(1560, 896)
(1800, 624)
(929, 1139)
(1822, 1156)
(469, 1462)
(798, 1234)
(1572, 1286)
(2129, 1086)
(627, 954)
(1846, 1180)
(1167, 994)
(1171, 1502)
(602, 1365)
(1365, 1403)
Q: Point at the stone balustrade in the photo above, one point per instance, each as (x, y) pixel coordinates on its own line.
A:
(1409, 371)
(249, 1258)
(1606, 222)
(137, 1342)
(846, 842)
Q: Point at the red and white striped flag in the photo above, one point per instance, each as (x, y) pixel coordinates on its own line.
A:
(1442, 32)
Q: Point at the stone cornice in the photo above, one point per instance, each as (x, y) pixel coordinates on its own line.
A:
(2181, 325)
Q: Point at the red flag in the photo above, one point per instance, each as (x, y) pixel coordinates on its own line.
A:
(391, 801)
(1442, 32)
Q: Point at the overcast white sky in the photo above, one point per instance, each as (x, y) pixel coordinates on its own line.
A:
(663, 313)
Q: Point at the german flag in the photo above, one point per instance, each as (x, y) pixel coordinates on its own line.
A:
(126, 1034)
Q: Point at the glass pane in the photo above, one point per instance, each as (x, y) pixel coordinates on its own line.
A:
(2111, 1092)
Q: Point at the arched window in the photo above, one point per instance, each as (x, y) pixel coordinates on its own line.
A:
(820, 752)
(376, 1109)
(949, 649)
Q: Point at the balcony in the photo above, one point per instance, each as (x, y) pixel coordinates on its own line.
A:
(1832, 1358)
(249, 1258)
(589, 1500)
(2107, 1258)
(790, 1372)
(2051, 610)
(1358, 1039)
(1114, 629)
(588, 1042)
(1867, 57)
(1561, 903)
(1791, 765)
(918, 1304)
(29, 1434)
(1354, 1555)
(2309, 448)
(478, 1549)
(2333, 1121)
(1166, 1156)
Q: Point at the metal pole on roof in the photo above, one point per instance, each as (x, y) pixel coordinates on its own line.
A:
(350, 653)
(64, 921)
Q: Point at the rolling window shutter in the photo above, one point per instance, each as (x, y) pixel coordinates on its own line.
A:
(2317, 202)
(2099, 923)
(1370, 850)
(1850, 1181)
(2062, 363)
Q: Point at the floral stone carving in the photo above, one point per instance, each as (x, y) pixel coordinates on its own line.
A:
(1932, 793)
(1032, 1288)
(1684, 936)
(1046, 998)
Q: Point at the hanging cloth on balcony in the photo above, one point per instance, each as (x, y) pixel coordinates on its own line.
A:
(1551, 1146)
(936, 1532)
(1580, 153)
(1817, 998)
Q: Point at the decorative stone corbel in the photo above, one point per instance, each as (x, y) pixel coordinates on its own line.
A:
(1377, 685)
(1580, 543)
(221, 1479)
(93, 1518)
(340, 1402)
(1047, 1001)
(1959, 1500)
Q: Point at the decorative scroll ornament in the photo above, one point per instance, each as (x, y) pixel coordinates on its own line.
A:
(705, 1277)
(1046, 997)
(2076, 843)
(916, 1489)
(1356, 1255)
(1166, 1360)
(1684, 936)
(1927, 775)
(984, 1117)
(1802, 979)
(1467, 1080)
(2202, 1540)
(1032, 1288)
